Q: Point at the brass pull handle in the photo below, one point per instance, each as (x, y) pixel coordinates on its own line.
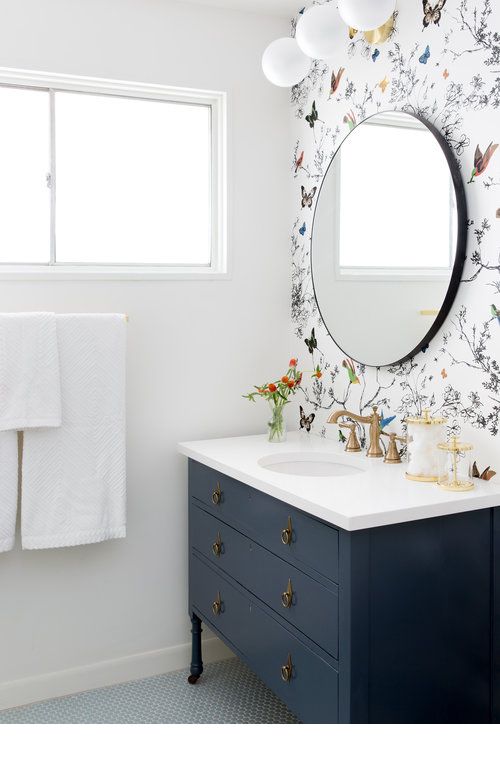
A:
(217, 495)
(217, 546)
(217, 605)
(287, 596)
(287, 533)
(286, 670)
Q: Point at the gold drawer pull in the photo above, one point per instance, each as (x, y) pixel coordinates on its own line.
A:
(217, 605)
(287, 533)
(217, 546)
(287, 597)
(217, 495)
(286, 670)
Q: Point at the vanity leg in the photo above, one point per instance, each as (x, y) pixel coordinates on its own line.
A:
(196, 661)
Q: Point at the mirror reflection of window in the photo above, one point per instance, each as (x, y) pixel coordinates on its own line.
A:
(384, 241)
(383, 181)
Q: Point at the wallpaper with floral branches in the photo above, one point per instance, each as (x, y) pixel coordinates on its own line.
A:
(449, 73)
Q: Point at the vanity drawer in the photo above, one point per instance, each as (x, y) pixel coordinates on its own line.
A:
(311, 606)
(312, 688)
(311, 545)
(224, 606)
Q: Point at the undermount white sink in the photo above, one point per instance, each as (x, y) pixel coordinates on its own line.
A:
(308, 464)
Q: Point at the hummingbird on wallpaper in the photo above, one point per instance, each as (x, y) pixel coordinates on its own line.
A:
(350, 119)
(495, 313)
(335, 80)
(481, 160)
(351, 370)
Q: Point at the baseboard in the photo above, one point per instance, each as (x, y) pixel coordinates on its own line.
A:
(66, 681)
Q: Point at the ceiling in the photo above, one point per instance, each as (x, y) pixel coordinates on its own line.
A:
(283, 8)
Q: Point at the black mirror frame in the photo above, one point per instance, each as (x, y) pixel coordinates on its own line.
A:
(460, 251)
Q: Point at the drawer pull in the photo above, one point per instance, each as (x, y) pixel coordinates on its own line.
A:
(217, 605)
(287, 596)
(286, 670)
(287, 533)
(217, 495)
(217, 546)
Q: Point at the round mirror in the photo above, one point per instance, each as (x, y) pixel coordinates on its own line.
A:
(388, 238)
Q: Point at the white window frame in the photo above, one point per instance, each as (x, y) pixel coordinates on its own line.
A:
(216, 100)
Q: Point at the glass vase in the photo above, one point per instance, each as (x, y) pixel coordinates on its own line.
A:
(277, 425)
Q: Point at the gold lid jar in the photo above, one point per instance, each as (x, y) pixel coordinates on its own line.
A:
(455, 471)
(424, 435)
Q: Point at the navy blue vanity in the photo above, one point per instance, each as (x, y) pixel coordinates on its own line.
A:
(383, 625)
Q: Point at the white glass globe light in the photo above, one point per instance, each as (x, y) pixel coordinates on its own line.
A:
(365, 15)
(319, 31)
(283, 62)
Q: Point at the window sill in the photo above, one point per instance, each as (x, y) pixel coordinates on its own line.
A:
(109, 273)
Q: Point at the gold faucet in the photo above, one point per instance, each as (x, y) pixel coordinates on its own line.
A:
(374, 449)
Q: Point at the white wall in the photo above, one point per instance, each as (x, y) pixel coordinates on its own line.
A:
(194, 347)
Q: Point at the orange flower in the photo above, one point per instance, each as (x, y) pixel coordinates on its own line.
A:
(291, 383)
(317, 373)
(284, 379)
(272, 387)
(299, 379)
(293, 363)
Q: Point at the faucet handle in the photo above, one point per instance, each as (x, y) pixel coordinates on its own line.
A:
(353, 444)
(392, 455)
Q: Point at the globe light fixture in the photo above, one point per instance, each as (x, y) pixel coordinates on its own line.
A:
(284, 64)
(319, 31)
(365, 15)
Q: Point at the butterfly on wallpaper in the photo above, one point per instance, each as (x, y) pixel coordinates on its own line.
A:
(375, 55)
(383, 84)
(335, 80)
(302, 230)
(350, 119)
(299, 160)
(311, 342)
(425, 56)
(446, 74)
(349, 365)
(487, 473)
(313, 115)
(481, 160)
(307, 198)
(306, 422)
(495, 312)
(432, 14)
(444, 373)
(341, 437)
(352, 32)
(384, 422)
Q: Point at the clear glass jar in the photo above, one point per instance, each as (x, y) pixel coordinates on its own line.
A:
(424, 435)
(455, 473)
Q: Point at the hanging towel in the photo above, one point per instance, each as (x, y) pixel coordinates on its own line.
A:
(29, 396)
(29, 371)
(8, 489)
(73, 482)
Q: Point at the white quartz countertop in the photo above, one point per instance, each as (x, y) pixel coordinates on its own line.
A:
(381, 495)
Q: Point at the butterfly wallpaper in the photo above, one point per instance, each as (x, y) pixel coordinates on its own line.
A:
(442, 62)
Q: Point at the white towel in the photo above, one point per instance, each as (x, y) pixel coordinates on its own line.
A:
(73, 487)
(29, 371)
(8, 489)
(29, 396)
